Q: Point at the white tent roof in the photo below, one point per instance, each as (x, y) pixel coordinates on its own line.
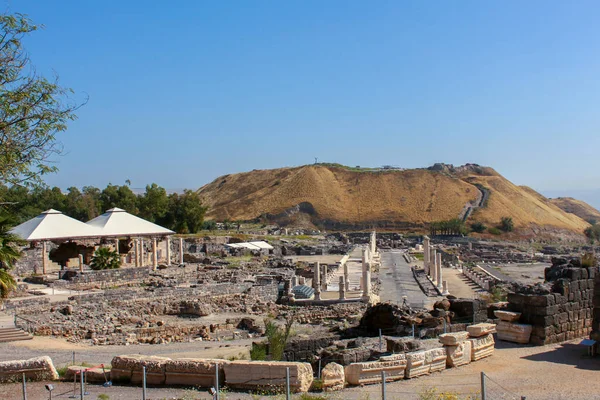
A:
(118, 222)
(251, 245)
(53, 224)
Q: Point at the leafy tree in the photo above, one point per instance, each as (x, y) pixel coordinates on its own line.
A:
(9, 254)
(105, 258)
(118, 196)
(185, 213)
(154, 203)
(33, 109)
(478, 227)
(506, 224)
(451, 227)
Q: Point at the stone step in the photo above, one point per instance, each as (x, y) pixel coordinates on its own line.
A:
(13, 334)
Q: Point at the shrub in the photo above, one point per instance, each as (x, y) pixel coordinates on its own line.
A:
(258, 352)
(506, 224)
(588, 260)
(105, 258)
(478, 227)
(494, 231)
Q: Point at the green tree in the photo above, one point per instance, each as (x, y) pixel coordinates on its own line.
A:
(185, 213)
(154, 203)
(9, 254)
(118, 196)
(506, 224)
(105, 258)
(33, 109)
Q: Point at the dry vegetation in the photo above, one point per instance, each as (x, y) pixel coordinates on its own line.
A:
(348, 195)
(580, 208)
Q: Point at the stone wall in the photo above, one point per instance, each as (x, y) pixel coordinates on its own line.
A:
(560, 310)
(35, 369)
(110, 276)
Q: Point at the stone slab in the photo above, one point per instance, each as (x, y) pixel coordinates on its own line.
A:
(252, 375)
(35, 369)
(458, 355)
(370, 372)
(453, 339)
(333, 377)
(511, 332)
(482, 347)
(507, 316)
(482, 329)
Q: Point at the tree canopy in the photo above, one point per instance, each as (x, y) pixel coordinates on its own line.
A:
(33, 109)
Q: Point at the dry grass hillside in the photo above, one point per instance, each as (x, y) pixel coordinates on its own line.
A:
(580, 208)
(336, 196)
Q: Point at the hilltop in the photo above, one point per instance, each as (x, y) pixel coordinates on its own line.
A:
(339, 197)
(580, 208)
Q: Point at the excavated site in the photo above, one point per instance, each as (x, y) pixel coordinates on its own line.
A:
(360, 306)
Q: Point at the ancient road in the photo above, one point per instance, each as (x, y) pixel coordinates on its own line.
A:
(397, 281)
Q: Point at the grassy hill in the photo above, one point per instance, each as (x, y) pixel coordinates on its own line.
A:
(580, 208)
(335, 196)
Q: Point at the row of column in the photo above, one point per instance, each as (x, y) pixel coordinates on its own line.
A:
(432, 264)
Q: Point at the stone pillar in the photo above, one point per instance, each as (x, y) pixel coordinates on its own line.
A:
(294, 281)
(433, 268)
(180, 250)
(439, 270)
(80, 262)
(426, 254)
(346, 278)
(289, 287)
(301, 280)
(445, 291)
(324, 279)
(317, 281)
(168, 250)
(154, 254)
(366, 285)
(136, 246)
(44, 258)
(342, 288)
(364, 268)
(142, 261)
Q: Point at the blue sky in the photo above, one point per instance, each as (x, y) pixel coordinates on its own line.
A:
(182, 92)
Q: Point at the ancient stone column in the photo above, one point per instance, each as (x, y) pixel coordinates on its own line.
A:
(301, 280)
(445, 291)
(294, 281)
(154, 254)
(289, 287)
(342, 288)
(366, 285)
(136, 246)
(142, 261)
(44, 258)
(365, 267)
(317, 281)
(80, 263)
(168, 250)
(433, 269)
(180, 250)
(439, 270)
(426, 254)
(324, 280)
(346, 277)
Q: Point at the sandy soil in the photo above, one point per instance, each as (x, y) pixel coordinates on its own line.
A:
(528, 274)
(459, 285)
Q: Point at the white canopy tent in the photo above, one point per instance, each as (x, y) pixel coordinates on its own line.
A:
(53, 225)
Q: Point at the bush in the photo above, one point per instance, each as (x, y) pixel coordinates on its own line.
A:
(105, 258)
(258, 352)
(494, 231)
(589, 260)
(506, 224)
(478, 227)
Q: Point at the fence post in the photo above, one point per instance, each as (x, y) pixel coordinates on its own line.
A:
(380, 340)
(24, 388)
(81, 387)
(216, 381)
(382, 385)
(287, 383)
(483, 397)
(73, 358)
(144, 383)
(319, 371)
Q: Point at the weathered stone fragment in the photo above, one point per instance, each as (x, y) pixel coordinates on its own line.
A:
(333, 377)
(437, 359)
(458, 355)
(481, 329)
(370, 372)
(452, 339)
(416, 365)
(35, 369)
(482, 347)
(130, 368)
(510, 332)
(265, 374)
(507, 316)
(194, 372)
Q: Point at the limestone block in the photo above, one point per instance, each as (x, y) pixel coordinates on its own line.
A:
(452, 339)
(416, 365)
(35, 369)
(507, 316)
(458, 355)
(333, 377)
(92, 375)
(482, 347)
(370, 372)
(511, 332)
(268, 374)
(437, 359)
(482, 329)
(194, 372)
(130, 367)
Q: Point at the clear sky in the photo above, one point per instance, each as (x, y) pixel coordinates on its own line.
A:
(181, 92)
